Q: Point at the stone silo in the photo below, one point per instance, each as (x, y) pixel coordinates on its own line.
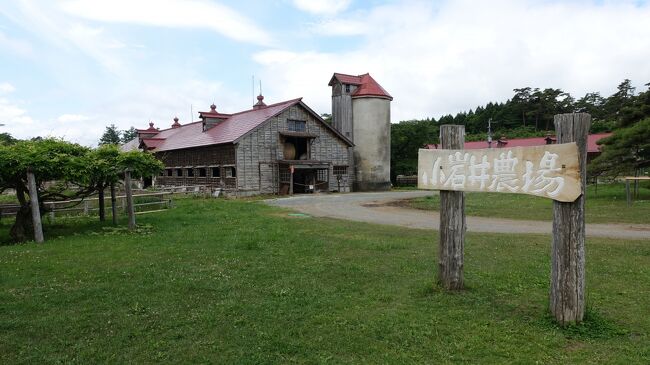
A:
(361, 112)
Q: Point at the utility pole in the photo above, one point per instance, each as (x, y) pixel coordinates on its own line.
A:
(489, 134)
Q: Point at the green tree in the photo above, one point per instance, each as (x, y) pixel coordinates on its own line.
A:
(625, 152)
(327, 118)
(111, 136)
(60, 171)
(64, 171)
(7, 139)
(129, 134)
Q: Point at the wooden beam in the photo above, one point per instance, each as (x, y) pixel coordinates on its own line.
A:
(452, 220)
(567, 297)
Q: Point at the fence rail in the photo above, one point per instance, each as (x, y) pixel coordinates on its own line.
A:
(90, 206)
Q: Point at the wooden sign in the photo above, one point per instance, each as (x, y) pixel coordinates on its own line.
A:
(549, 171)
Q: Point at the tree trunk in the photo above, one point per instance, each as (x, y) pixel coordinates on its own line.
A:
(23, 229)
(567, 297)
(452, 220)
(102, 208)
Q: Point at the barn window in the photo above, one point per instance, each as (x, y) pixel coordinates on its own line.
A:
(202, 172)
(179, 172)
(322, 175)
(190, 172)
(285, 175)
(170, 172)
(340, 170)
(296, 125)
(347, 88)
(231, 171)
(216, 172)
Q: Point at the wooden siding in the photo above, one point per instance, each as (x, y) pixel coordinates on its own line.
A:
(259, 151)
(209, 156)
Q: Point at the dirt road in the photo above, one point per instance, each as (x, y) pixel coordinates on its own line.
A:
(372, 208)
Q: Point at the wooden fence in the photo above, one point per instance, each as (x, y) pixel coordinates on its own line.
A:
(143, 203)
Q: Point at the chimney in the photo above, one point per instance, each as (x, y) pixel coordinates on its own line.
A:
(176, 123)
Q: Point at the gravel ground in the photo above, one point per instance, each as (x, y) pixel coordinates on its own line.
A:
(373, 208)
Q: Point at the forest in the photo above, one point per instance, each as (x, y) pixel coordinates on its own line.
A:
(529, 113)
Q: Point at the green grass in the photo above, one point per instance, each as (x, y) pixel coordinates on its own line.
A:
(8, 199)
(218, 281)
(608, 205)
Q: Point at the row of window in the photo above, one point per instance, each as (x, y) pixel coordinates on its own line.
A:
(215, 172)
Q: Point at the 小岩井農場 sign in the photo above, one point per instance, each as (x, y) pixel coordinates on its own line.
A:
(549, 171)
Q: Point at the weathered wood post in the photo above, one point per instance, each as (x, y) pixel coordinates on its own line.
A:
(291, 181)
(129, 199)
(452, 220)
(36, 211)
(567, 302)
(113, 204)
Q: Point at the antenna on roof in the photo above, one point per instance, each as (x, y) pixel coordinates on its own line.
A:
(191, 114)
(260, 87)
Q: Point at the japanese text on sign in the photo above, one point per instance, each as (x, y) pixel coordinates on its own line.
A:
(549, 171)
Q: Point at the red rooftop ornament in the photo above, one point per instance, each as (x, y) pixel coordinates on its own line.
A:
(260, 102)
(176, 123)
(213, 108)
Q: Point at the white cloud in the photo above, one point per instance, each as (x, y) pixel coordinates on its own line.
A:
(439, 60)
(6, 88)
(72, 118)
(322, 7)
(172, 13)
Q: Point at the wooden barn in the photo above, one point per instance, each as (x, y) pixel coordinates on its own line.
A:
(282, 148)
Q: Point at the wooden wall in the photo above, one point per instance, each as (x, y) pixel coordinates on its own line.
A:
(258, 152)
(208, 156)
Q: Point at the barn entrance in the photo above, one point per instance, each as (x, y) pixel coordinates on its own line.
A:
(303, 177)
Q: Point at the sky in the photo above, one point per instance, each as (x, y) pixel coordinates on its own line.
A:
(69, 68)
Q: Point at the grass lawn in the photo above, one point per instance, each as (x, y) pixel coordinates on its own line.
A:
(240, 282)
(608, 205)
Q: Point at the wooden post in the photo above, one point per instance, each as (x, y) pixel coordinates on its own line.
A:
(452, 220)
(36, 212)
(113, 204)
(567, 301)
(291, 181)
(129, 199)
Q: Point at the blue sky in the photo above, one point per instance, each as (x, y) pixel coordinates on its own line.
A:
(68, 68)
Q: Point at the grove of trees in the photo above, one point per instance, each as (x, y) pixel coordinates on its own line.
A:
(529, 113)
(64, 171)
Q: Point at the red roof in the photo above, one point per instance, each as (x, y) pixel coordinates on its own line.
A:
(367, 85)
(592, 146)
(230, 130)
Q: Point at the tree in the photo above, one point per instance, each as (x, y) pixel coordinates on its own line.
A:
(7, 139)
(129, 134)
(61, 164)
(64, 171)
(625, 152)
(111, 136)
(327, 118)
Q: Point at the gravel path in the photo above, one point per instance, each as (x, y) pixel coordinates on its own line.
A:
(372, 208)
